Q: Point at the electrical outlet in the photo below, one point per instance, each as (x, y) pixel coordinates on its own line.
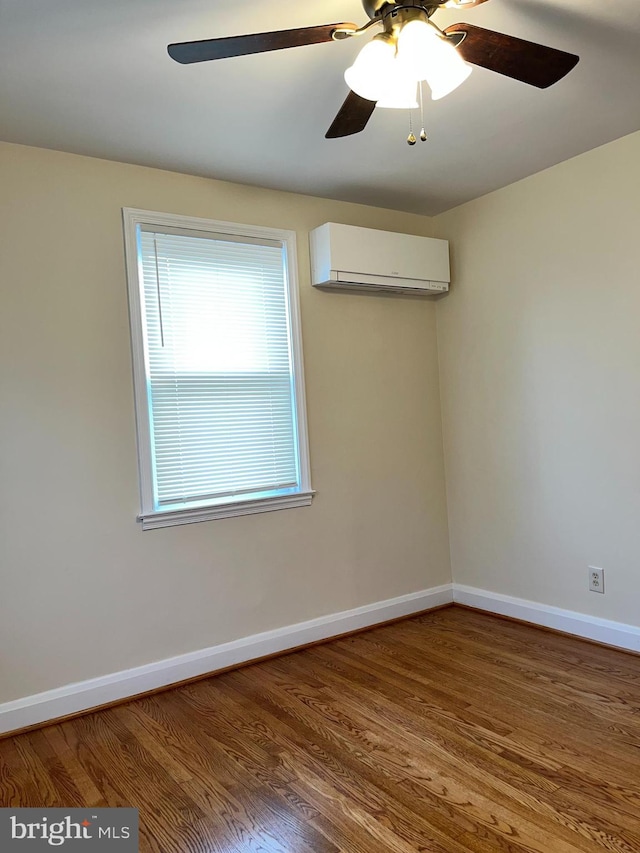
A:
(596, 579)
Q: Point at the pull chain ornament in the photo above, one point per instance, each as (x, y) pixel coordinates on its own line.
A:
(411, 139)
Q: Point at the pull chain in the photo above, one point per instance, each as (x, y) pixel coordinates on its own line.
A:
(411, 139)
(423, 132)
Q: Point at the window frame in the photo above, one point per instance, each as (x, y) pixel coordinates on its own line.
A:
(150, 515)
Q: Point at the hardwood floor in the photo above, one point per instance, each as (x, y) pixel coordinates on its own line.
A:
(448, 733)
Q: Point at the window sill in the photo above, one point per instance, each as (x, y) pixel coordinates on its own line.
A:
(170, 518)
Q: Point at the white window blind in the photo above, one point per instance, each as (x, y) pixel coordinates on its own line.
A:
(219, 366)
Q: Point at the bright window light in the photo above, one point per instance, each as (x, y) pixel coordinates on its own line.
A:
(217, 368)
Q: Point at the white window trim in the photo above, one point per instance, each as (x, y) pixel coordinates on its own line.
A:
(150, 517)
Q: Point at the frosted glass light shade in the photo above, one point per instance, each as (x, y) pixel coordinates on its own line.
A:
(427, 56)
(449, 71)
(369, 74)
(414, 43)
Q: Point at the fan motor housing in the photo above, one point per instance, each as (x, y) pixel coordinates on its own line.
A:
(378, 8)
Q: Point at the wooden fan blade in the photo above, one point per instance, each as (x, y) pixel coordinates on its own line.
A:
(223, 48)
(463, 4)
(522, 60)
(352, 116)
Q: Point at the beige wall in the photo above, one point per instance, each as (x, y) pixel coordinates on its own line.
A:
(84, 590)
(540, 365)
(540, 371)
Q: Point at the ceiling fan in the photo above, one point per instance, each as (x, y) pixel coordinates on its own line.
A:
(410, 48)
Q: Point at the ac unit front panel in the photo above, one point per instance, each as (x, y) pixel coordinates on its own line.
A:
(347, 256)
(385, 253)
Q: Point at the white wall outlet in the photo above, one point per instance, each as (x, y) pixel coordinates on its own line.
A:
(596, 579)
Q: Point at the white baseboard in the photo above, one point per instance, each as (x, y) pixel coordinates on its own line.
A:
(74, 698)
(588, 627)
(84, 695)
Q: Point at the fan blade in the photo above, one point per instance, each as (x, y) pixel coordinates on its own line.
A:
(352, 116)
(201, 51)
(522, 60)
(460, 4)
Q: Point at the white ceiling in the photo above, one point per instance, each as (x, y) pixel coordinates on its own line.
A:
(93, 77)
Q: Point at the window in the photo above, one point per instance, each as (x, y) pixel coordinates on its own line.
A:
(218, 376)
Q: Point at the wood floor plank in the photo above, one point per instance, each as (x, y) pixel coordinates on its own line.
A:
(590, 659)
(606, 698)
(449, 773)
(322, 755)
(452, 732)
(58, 745)
(527, 681)
(509, 700)
(482, 749)
(18, 786)
(44, 791)
(212, 766)
(468, 731)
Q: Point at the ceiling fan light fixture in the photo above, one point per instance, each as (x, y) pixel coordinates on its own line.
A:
(415, 42)
(373, 68)
(449, 69)
(427, 55)
(402, 95)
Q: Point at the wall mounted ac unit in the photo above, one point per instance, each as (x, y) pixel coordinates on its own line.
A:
(347, 257)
